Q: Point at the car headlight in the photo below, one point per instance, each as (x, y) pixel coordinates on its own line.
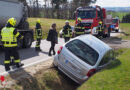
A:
(95, 31)
(117, 27)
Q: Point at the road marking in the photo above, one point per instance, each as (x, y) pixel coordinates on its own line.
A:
(25, 66)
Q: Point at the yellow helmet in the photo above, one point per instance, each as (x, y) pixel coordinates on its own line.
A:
(79, 19)
(12, 21)
(100, 22)
(38, 21)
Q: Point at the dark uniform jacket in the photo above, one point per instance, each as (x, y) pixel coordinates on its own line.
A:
(67, 28)
(79, 27)
(52, 36)
(38, 32)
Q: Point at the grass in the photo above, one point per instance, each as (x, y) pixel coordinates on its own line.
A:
(46, 24)
(120, 14)
(116, 76)
(125, 27)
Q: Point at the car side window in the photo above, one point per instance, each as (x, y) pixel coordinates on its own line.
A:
(108, 56)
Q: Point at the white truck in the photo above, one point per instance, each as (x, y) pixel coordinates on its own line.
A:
(16, 9)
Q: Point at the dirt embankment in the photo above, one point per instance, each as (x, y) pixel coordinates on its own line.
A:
(42, 76)
(116, 42)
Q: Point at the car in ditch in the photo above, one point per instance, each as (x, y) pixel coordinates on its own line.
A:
(83, 56)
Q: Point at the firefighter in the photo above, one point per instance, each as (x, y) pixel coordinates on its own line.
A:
(10, 35)
(100, 29)
(67, 31)
(38, 31)
(79, 28)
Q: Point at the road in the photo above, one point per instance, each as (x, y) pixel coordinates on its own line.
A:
(30, 56)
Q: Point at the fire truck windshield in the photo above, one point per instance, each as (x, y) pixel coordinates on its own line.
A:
(87, 14)
(114, 20)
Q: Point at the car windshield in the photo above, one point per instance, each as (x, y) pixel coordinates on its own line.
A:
(115, 20)
(83, 51)
(87, 14)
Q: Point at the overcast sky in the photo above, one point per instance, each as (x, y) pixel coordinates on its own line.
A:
(111, 3)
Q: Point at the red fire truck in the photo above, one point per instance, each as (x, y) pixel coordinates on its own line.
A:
(115, 22)
(91, 16)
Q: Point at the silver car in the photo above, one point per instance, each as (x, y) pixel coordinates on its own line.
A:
(81, 57)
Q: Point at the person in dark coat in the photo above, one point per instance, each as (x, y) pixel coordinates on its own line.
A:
(53, 38)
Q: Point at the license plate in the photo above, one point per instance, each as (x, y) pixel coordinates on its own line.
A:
(66, 61)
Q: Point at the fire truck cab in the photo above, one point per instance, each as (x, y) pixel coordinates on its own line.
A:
(91, 16)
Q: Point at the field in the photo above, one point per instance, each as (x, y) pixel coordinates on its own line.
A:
(120, 14)
(125, 27)
(46, 24)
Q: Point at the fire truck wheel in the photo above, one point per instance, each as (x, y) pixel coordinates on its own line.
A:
(20, 43)
(27, 41)
(109, 34)
(105, 35)
(117, 30)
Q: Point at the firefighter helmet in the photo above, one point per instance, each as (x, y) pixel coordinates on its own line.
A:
(100, 22)
(38, 21)
(12, 21)
(67, 21)
(79, 19)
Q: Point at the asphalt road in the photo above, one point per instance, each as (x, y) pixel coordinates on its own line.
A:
(30, 56)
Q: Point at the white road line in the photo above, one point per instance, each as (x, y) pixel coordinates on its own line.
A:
(25, 66)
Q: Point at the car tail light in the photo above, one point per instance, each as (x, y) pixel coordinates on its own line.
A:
(59, 51)
(91, 72)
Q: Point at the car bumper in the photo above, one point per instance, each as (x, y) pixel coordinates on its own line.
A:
(67, 72)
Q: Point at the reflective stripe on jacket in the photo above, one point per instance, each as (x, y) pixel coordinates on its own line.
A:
(8, 38)
(38, 33)
(68, 34)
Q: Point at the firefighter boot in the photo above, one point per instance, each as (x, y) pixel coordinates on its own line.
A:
(19, 65)
(39, 49)
(36, 48)
(7, 68)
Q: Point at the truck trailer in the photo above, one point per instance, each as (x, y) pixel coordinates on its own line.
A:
(17, 10)
(91, 16)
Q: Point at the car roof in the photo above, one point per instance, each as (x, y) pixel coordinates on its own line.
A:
(95, 43)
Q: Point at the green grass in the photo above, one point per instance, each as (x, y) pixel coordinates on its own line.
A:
(46, 24)
(125, 27)
(115, 76)
(120, 14)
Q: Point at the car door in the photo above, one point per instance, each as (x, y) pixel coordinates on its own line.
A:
(106, 59)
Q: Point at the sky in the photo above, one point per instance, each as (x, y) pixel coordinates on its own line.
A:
(110, 3)
(113, 3)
